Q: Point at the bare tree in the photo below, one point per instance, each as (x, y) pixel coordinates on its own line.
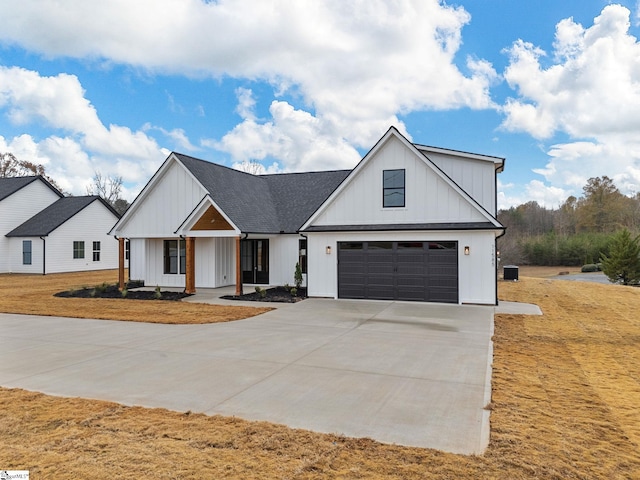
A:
(251, 166)
(10, 166)
(110, 189)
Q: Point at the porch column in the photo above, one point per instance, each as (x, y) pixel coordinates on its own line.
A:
(121, 241)
(190, 277)
(238, 268)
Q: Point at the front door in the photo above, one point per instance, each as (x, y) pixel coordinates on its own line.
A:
(255, 261)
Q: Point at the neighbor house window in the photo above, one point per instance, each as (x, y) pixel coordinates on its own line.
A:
(78, 249)
(26, 252)
(393, 188)
(96, 251)
(302, 255)
(175, 258)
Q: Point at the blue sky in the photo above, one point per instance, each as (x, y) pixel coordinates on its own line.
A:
(114, 86)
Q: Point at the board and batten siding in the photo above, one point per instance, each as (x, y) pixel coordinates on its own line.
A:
(137, 249)
(90, 225)
(173, 197)
(214, 257)
(428, 198)
(476, 177)
(14, 211)
(476, 271)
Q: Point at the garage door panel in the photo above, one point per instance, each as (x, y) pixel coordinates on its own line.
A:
(416, 271)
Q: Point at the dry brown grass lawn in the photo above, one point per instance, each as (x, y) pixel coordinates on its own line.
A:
(566, 405)
(33, 294)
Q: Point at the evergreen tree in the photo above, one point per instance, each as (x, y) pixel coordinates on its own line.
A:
(623, 263)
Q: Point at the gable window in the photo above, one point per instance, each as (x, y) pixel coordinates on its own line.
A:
(26, 252)
(175, 257)
(96, 251)
(78, 249)
(393, 188)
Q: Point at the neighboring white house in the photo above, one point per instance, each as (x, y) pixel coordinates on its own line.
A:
(41, 231)
(409, 222)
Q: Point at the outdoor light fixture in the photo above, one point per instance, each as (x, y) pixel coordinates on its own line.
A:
(467, 250)
(328, 250)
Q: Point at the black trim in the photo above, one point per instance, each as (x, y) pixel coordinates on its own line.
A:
(404, 226)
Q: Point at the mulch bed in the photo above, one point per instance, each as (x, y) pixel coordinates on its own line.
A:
(112, 291)
(275, 294)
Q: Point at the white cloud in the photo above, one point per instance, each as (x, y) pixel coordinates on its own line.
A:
(590, 91)
(353, 65)
(86, 145)
(511, 195)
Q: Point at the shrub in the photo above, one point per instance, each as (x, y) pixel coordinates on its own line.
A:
(294, 292)
(124, 292)
(297, 275)
(588, 268)
(158, 293)
(622, 265)
(261, 291)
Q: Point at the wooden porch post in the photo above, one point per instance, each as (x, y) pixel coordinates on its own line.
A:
(190, 277)
(238, 268)
(121, 241)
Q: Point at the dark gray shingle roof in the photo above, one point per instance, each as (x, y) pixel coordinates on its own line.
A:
(10, 185)
(46, 221)
(264, 203)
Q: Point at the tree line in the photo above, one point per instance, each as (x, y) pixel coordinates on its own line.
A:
(578, 232)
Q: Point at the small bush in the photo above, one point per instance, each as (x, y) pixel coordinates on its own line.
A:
(102, 287)
(261, 291)
(589, 267)
(158, 294)
(124, 292)
(293, 291)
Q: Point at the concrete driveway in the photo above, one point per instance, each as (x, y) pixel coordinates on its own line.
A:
(406, 373)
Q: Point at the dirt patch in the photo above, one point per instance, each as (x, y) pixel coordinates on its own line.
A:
(565, 405)
(34, 294)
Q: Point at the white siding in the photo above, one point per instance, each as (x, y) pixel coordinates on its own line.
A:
(476, 177)
(283, 256)
(428, 198)
(476, 271)
(165, 206)
(14, 211)
(137, 255)
(90, 225)
(225, 263)
(15, 253)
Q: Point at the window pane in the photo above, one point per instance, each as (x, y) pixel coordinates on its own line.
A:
(380, 246)
(393, 179)
(394, 197)
(351, 245)
(78, 249)
(26, 252)
(170, 256)
(410, 245)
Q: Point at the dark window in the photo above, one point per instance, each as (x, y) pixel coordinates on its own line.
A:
(393, 188)
(443, 245)
(96, 251)
(26, 252)
(410, 245)
(175, 258)
(78, 249)
(126, 250)
(351, 245)
(380, 246)
(302, 255)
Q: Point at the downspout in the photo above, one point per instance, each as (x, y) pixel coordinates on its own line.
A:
(44, 255)
(307, 274)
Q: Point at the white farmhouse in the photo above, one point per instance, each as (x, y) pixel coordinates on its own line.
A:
(409, 222)
(41, 231)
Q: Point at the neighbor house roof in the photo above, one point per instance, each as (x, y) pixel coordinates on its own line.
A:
(46, 221)
(10, 185)
(264, 203)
